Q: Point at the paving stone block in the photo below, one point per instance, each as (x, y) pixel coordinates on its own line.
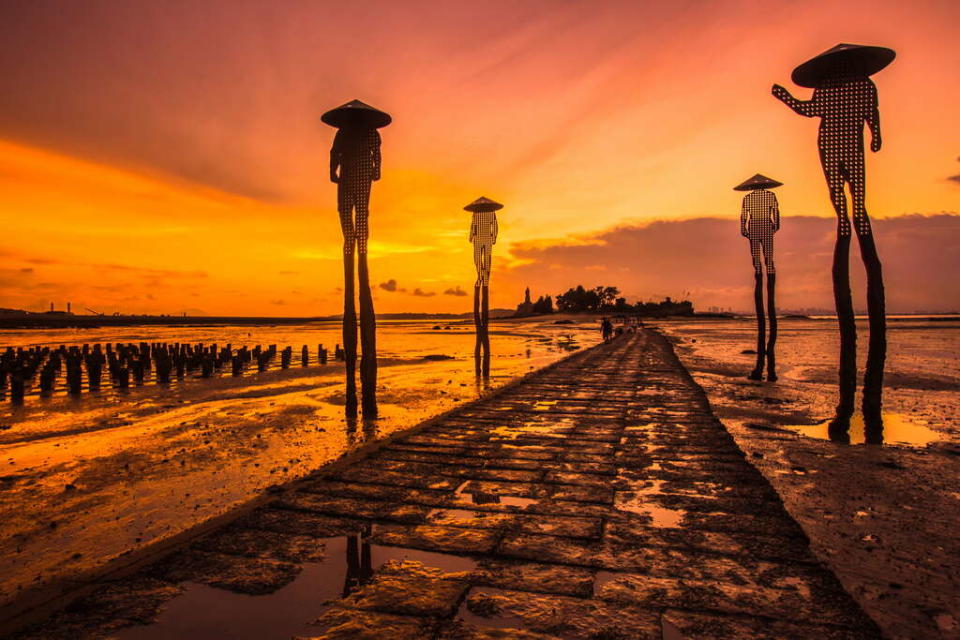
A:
(410, 588)
(460, 630)
(256, 543)
(436, 538)
(353, 507)
(233, 573)
(569, 618)
(534, 576)
(300, 522)
(343, 623)
(560, 526)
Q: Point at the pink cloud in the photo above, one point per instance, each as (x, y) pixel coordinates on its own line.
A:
(707, 259)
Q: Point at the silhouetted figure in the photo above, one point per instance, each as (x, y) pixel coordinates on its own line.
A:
(606, 329)
(483, 235)
(759, 220)
(354, 166)
(844, 98)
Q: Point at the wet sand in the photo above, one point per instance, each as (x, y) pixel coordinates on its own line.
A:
(85, 481)
(884, 517)
(597, 499)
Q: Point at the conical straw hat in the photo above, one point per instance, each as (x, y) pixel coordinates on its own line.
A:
(483, 204)
(356, 112)
(758, 181)
(861, 59)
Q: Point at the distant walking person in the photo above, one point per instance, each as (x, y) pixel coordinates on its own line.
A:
(606, 329)
(354, 166)
(844, 98)
(759, 220)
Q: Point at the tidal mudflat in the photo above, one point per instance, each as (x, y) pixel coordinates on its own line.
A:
(87, 479)
(517, 516)
(884, 516)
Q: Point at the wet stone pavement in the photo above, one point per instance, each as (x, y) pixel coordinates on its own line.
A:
(597, 500)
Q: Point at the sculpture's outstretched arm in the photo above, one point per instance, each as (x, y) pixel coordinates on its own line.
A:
(803, 107)
(335, 156)
(775, 215)
(473, 228)
(494, 230)
(744, 217)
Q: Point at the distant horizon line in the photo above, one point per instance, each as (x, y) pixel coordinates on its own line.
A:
(811, 313)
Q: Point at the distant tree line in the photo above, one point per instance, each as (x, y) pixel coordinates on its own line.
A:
(608, 300)
(544, 304)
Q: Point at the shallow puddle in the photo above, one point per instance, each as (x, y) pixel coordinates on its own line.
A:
(897, 429)
(669, 631)
(639, 502)
(203, 611)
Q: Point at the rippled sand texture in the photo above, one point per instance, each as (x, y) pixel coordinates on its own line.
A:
(885, 517)
(87, 479)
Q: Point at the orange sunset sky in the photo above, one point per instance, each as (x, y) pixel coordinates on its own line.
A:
(161, 157)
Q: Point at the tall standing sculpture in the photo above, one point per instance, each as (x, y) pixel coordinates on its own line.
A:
(844, 98)
(354, 166)
(759, 220)
(483, 235)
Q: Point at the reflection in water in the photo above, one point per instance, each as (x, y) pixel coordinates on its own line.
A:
(203, 611)
(481, 384)
(367, 429)
(894, 428)
(359, 561)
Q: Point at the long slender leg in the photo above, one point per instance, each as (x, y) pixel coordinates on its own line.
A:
(848, 329)
(477, 323)
(485, 322)
(478, 262)
(368, 341)
(876, 308)
(349, 313)
(487, 255)
(368, 319)
(772, 338)
(757, 373)
(839, 428)
(771, 306)
(835, 171)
